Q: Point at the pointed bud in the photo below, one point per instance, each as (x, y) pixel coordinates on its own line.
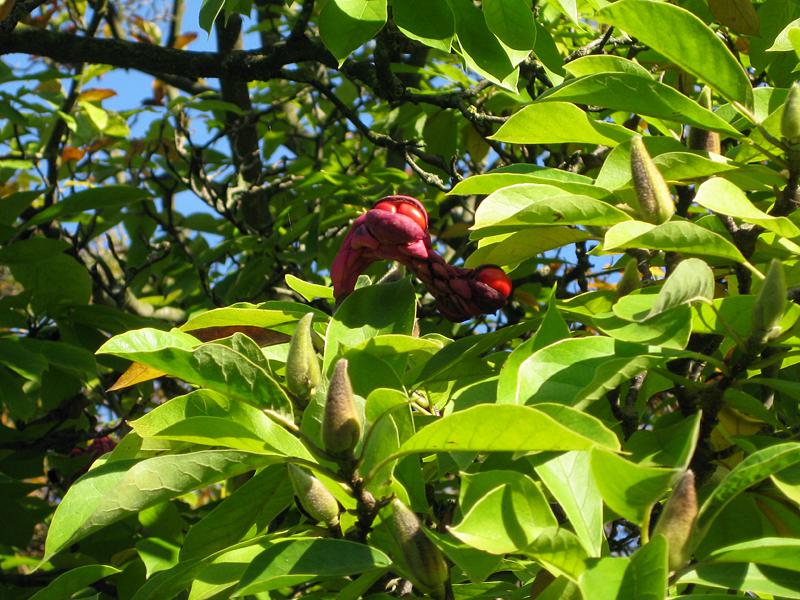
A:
(630, 280)
(422, 558)
(677, 520)
(790, 121)
(770, 304)
(655, 201)
(341, 423)
(302, 366)
(700, 139)
(314, 497)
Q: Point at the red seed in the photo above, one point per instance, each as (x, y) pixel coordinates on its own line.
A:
(413, 213)
(496, 279)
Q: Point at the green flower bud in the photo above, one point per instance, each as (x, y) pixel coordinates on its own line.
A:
(790, 121)
(630, 280)
(677, 520)
(770, 304)
(314, 497)
(341, 423)
(421, 557)
(302, 367)
(655, 201)
(700, 139)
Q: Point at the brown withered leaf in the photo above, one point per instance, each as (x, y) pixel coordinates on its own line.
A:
(72, 153)
(738, 15)
(184, 40)
(139, 373)
(136, 373)
(96, 94)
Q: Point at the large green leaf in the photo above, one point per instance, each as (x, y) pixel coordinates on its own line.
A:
(514, 495)
(491, 182)
(259, 500)
(568, 477)
(431, 23)
(753, 469)
(212, 419)
(752, 578)
(511, 248)
(638, 94)
(112, 196)
(629, 489)
(345, 25)
(114, 490)
(480, 49)
(697, 49)
(501, 428)
(291, 562)
(677, 236)
(646, 575)
(511, 21)
(691, 281)
(74, 580)
(725, 198)
(775, 552)
(368, 312)
(210, 365)
(558, 123)
(533, 204)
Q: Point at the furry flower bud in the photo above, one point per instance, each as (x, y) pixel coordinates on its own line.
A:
(655, 201)
(677, 520)
(790, 121)
(700, 139)
(421, 557)
(341, 423)
(770, 304)
(314, 497)
(302, 366)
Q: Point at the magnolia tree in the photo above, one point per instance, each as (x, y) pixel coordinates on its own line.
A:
(378, 298)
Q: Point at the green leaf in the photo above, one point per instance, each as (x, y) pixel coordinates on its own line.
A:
(308, 290)
(629, 489)
(512, 248)
(480, 49)
(296, 561)
(639, 94)
(256, 317)
(782, 42)
(491, 182)
(55, 284)
(387, 433)
(678, 236)
(96, 114)
(209, 12)
(604, 63)
(533, 204)
(670, 329)
(760, 465)
(211, 365)
(110, 196)
(431, 23)
(697, 49)
(667, 445)
(74, 580)
(725, 198)
(345, 25)
(751, 578)
(559, 550)
(602, 579)
(568, 477)
(646, 575)
(114, 490)
(367, 312)
(514, 495)
(512, 22)
(477, 565)
(572, 370)
(558, 123)
(774, 552)
(259, 500)
(691, 281)
(208, 418)
(498, 428)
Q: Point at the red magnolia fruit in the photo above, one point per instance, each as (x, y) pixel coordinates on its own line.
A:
(394, 229)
